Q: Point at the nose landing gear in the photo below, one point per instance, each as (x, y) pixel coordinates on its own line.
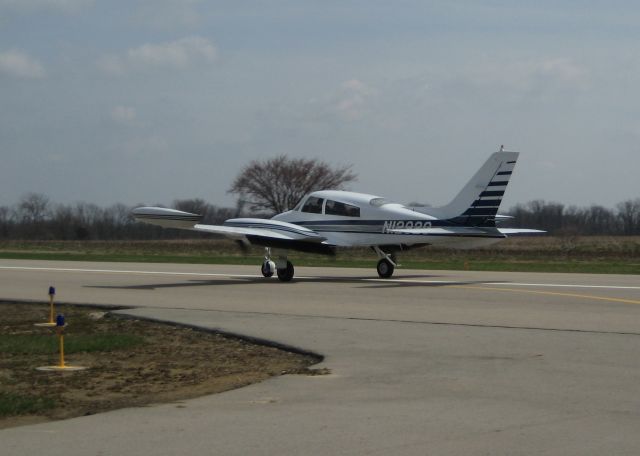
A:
(387, 263)
(385, 268)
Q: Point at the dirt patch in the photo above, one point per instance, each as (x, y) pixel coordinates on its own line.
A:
(167, 363)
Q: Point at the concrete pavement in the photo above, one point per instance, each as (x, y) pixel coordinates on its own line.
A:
(433, 362)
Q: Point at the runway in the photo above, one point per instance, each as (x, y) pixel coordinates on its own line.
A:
(429, 362)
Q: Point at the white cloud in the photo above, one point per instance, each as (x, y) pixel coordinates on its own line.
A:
(353, 100)
(123, 114)
(20, 65)
(349, 103)
(178, 54)
(563, 70)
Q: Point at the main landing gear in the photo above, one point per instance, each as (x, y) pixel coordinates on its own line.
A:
(387, 263)
(283, 267)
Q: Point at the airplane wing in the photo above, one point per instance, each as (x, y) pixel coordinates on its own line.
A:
(265, 232)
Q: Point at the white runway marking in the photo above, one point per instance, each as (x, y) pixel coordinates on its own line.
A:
(416, 281)
(117, 271)
(509, 284)
(124, 271)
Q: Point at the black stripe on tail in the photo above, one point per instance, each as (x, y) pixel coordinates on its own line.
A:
(482, 212)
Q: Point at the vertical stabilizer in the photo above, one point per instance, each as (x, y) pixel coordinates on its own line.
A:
(477, 203)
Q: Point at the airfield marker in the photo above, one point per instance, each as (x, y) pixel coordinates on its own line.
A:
(60, 332)
(60, 324)
(52, 293)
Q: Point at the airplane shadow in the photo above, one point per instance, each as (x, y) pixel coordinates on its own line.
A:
(364, 282)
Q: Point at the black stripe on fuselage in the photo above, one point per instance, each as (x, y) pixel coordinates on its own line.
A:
(377, 226)
(505, 173)
(498, 183)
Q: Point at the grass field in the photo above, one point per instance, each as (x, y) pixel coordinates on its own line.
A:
(129, 362)
(590, 254)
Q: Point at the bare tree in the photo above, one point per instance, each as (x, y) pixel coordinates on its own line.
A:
(195, 206)
(6, 222)
(33, 208)
(277, 184)
(210, 214)
(629, 216)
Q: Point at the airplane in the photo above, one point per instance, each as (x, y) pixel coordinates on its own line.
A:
(326, 220)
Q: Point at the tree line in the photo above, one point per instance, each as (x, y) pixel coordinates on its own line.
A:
(559, 219)
(35, 217)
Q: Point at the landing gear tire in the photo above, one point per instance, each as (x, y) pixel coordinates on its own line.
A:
(385, 268)
(286, 274)
(267, 268)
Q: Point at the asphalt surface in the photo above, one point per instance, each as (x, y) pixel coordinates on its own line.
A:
(430, 362)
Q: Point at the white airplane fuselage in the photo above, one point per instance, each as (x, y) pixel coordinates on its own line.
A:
(376, 224)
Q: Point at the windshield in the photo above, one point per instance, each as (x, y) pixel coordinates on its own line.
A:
(313, 205)
(299, 205)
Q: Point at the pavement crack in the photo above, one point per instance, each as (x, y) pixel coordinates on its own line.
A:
(412, 322)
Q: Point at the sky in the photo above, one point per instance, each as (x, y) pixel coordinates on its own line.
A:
(149, 101)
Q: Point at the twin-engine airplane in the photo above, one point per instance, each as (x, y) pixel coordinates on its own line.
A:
(329, 219)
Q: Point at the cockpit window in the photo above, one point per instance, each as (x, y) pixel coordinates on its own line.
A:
(313, 205)
(346, 210)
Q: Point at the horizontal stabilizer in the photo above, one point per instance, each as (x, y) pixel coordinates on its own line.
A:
(516, 231)
(446, 231)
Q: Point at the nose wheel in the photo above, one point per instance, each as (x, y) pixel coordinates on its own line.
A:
(387, 263)
(385, 268)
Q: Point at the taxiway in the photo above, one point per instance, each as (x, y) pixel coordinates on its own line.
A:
(430, 362)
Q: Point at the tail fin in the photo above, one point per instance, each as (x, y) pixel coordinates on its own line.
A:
(477, 203)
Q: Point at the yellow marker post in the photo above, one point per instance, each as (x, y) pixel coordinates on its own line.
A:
(60, 332)
(60, 324)
(52, 293)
